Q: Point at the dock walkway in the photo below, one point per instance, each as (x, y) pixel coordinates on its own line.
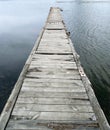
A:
(53, 92)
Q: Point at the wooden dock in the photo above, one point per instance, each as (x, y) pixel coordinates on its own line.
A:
(53, 92)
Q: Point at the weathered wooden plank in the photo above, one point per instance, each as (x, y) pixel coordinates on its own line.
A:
(53, 56)
(52, 71)
(52, 89)
(56, 57)
(58, 35)
(53, 116)
(54, 35)
(54, 101)
(43, 59)
(34, 125)
(49, 45)
(37, 64)
(55, 25)
(41, 128)
(57, 40)
(54, 62)
(48, 71)
(76, 84)
(63, 63)
(54, 50)
(52, 108)
(58, 48)
(52, 75)
(76, 95)
(54, 46)
(54, 32)
(49, 80)
(59, 45)
(89, 123)
(52, 67)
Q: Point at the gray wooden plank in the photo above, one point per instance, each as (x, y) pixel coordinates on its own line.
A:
(52, 67)
(53, 116)
(52, 71)
(50, 43)
(48, 71)
(53, 62)
(43, 59)
(56, 46)
(50, 80)
(52, 59)
(89, 123)
(53, 75)
(37, 64)
(57, 57)
(55, 25)
(57, 40)
(58, 35)
(52, 108)
(73, 95)
(41, 128)
(54, 101)
(52, 89)
(76, 84)
(49, 77)
(34, 125)
(54, 50)
(54, 31)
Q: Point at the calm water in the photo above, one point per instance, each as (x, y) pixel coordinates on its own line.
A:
(88, 22)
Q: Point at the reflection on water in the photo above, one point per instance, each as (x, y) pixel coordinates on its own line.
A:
(20, 23)
(88, 22)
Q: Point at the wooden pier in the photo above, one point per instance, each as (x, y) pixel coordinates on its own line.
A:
(53, 92)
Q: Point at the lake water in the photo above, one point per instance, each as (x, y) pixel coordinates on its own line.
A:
(88, 22)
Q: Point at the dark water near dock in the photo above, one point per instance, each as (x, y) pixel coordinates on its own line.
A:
(88, 22)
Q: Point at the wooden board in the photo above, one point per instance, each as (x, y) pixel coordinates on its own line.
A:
(52, 116)
(52, 101)
(71, 95)
(45, 125)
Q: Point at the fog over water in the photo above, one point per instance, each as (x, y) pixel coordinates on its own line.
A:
(87, 20)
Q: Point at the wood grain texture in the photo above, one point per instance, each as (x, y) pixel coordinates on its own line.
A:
(47, 125)
(52, 101)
